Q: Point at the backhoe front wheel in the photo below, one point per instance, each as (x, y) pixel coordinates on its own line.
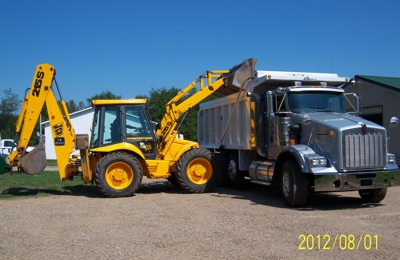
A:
(195, 171)
(118, 175)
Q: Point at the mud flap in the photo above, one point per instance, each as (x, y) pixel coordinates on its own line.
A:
(34, 162)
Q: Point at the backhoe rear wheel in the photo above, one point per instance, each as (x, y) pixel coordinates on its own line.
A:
(118, 175)
(195, 171)
(172, 180)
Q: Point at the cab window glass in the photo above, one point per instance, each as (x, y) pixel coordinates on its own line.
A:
(96, 129)
(112, 125)
(137, 125)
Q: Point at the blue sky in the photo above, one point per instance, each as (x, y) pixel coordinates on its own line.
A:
(128, 47)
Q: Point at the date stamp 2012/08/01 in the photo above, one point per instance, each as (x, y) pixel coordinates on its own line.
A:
(340, 241)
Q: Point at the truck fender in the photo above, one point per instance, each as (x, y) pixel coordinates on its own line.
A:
(298, 152)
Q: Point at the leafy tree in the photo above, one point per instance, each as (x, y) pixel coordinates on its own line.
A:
(142, 97)
(158, 98)
(103, 95)
(10, 104)
(9, 109)
(73, 107)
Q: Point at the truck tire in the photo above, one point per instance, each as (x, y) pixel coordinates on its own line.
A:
(118, 175)
(195, 171)
(236, 176)
(222, 170)
(373, 195)
(293, 185)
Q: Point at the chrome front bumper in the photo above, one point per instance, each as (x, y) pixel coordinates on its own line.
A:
(356, 180)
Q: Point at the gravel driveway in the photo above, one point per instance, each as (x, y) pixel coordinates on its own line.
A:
(162, 222)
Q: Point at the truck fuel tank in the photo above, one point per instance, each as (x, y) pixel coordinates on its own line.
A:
(261, 171)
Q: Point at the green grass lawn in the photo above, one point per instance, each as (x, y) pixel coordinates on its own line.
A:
(45, 183)
(51, 163)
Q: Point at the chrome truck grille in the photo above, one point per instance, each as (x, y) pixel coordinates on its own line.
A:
(364, 151)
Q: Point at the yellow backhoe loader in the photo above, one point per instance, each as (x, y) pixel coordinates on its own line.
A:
(124, 145)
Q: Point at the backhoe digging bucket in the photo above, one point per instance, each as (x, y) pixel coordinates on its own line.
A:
(34, 162)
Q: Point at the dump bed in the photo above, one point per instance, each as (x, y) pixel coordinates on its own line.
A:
(212, 122)
(215, 129)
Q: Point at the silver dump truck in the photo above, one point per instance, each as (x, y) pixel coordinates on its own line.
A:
(299, 131)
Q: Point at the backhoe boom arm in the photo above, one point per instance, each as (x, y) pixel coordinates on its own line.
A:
(41, 93)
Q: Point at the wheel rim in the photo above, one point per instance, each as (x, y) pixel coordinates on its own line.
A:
(119, 175)
(286, 184)
(232, 169)
(200, 171)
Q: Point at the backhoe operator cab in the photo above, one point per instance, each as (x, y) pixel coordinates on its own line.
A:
(130, 122)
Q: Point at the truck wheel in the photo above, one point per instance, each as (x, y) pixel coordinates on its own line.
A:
(222, 170)
(118, 175)
(236, 176)
(373, 195)
(195, 171)
(293, 185)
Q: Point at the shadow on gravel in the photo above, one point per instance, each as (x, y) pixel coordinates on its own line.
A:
(271, 196)
(255, 194)
(90, 191)
(77, 190)
(158, 186)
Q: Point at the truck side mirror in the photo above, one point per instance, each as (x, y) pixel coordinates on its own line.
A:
(350, 98)
(394, 121)
(306, 120)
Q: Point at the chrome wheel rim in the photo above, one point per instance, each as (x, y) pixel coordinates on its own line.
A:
(232, 169)
(286, 184)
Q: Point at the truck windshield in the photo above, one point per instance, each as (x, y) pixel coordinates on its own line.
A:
(316, 101)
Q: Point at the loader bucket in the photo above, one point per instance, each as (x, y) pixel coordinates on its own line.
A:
(244, 72)
(34, 162)
(237, 77)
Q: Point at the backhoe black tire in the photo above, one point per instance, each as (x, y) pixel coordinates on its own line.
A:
(293, 185)
(235, 176)
(373, 195)
(222, 170)
(118, 175)
(195, 171)
(172, 179)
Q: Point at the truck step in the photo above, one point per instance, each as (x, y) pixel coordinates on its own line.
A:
(261, 182)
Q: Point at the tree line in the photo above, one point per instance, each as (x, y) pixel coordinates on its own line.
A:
(156, 100)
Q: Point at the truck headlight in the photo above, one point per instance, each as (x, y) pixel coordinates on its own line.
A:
(391, 159)
(318, 162)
